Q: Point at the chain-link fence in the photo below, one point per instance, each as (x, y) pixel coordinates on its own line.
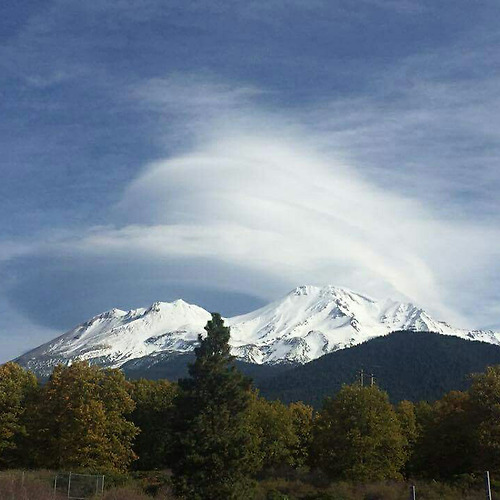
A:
(78, 486)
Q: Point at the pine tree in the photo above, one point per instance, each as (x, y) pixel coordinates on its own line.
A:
(215, 451)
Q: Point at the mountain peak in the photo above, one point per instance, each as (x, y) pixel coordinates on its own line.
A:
(301, 326)
(170, 307)
(327, 291)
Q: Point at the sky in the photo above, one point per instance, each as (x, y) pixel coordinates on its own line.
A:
(227, 151)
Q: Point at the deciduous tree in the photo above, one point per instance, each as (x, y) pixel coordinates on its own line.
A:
(82, 420)
(16, 387)
(357, 436)
(273, 423)
(484, 396)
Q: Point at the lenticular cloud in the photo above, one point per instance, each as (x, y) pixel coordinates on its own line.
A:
(282, 210)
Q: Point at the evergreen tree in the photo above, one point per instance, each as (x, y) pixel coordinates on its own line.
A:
(81, 422)
(153, 416)
(357, 436)
(215, 450)
(17, 386)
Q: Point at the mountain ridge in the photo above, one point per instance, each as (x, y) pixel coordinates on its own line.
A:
(303, 325)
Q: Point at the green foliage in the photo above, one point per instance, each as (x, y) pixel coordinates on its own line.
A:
(80, 421)
(215, 449)
(17, 386)
(485, 417)
(357, 436)
(273, 424)
(153, 415)
(447, 443)
(302, 420)
(218, 435)
(405, 411)
(407, 417)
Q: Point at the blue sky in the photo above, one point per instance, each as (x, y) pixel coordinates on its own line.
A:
(228, 151)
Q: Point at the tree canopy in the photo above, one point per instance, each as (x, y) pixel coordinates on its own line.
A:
(17, 386)
(81, 420)
(358, 436)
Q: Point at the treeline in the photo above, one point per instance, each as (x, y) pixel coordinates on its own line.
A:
(217, 436)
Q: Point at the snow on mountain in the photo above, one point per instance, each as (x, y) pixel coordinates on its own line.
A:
(115, 337)
(311, 321)
(305, 324)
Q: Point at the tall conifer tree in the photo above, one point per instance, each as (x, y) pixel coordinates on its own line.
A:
(216, 452)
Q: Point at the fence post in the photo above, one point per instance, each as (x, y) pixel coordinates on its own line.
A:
(413, 493)
(55, 486)
(69, 484)
(487, 484)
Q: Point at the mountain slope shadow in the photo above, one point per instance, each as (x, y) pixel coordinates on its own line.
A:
(407, 364)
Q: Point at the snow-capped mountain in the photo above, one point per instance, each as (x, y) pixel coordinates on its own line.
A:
(302, 326)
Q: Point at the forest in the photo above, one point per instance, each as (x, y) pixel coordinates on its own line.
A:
(211, 435)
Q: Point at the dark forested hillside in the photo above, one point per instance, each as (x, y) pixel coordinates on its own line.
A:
(408, 365)
(176, 367)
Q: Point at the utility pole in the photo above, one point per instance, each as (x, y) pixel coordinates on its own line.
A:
(487, 485)
(361, 377)
(372, 380)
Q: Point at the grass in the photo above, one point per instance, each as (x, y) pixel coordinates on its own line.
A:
(16, 485)
(38, 485)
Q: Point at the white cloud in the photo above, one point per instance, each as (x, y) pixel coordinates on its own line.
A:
(354, 193)
(282, 210)
(270, 204)
(257, 189)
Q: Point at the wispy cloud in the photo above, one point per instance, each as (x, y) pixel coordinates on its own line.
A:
(393, 192)
(428, 128)
(263, 199)
(386, 183)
